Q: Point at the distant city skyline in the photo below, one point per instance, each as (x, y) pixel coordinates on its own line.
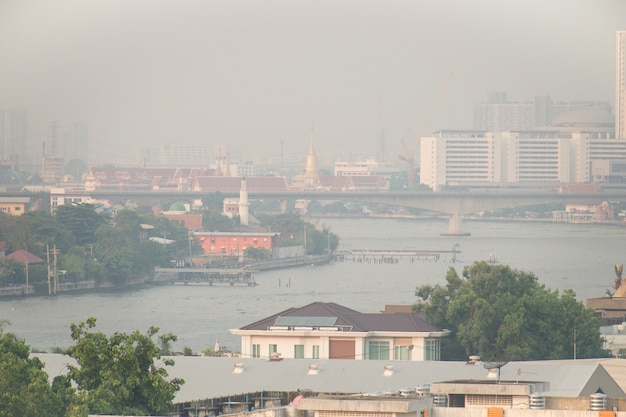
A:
(255, 77)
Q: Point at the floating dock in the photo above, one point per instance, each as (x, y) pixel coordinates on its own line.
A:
(392, 256)
(208, 276)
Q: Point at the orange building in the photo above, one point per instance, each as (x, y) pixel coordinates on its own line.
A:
(14, 206)
(235, 243)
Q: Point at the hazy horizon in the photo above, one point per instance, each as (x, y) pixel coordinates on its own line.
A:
(246, 75)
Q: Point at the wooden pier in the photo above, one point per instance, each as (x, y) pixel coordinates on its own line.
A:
(392, 256)
(208, 276)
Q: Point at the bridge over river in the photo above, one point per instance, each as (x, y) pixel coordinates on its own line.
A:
(453, 204)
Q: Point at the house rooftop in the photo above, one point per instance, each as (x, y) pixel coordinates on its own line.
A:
(332, 314)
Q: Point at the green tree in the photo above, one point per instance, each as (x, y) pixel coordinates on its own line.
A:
(26, 390)
(121, 374)
(258, 254)
(500, 313)
(81, 220)
(214, 221)
(213, 218)
(320, 241)
(12, 272)
(213, 202)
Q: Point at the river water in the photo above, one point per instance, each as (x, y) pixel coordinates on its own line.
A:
(563, 256)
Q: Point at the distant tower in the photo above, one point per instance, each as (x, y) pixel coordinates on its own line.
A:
(620, 85)
(218, 165)
(218, 169)
(311, 174)
(14, 135)
(227, 173)
(243, 204)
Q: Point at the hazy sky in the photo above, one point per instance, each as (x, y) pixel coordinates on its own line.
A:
(248, 74)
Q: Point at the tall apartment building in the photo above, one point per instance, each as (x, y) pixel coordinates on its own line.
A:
(13, 134)
(76, 143)
(178, 155)
(499, 115)
(620, 84)
(475, 158)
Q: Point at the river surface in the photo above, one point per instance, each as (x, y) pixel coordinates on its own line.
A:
(563, 256)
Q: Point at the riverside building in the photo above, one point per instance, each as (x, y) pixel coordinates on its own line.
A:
(516, 158)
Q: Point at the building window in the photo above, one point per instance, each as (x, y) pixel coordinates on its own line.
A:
(316, 352)
(256, 351)
(432, 350)
(378, 350)
(402, 353)
(298, 351)
(272, 349)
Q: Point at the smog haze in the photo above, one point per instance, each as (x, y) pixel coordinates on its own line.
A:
(247, 75)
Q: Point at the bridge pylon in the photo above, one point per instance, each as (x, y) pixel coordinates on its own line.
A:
(455, 226)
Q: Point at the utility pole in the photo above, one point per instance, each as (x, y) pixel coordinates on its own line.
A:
(574, 341)
(26, 265)
(305, 243)
(53, 288)
(48, 265)
(56, 274)
(189, 237)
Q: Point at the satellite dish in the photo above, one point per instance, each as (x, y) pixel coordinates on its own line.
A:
(495, 366)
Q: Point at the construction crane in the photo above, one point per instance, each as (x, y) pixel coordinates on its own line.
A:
(409, 153)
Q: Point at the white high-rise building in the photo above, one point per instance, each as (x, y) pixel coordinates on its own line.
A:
(620, 85)
(530, 158)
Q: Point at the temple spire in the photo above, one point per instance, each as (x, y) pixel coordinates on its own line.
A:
(311, 174)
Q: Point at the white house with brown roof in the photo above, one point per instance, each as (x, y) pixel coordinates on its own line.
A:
(331, 331)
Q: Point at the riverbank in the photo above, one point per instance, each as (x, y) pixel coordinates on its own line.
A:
(17, 291)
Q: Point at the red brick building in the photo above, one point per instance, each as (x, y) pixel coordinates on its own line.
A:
(235, 243)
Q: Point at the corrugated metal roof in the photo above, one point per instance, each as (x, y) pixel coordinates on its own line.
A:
(207, 377)
(24, 200)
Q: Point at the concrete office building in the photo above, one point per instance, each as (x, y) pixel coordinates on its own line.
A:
(76, 143)
(178, 155)
(514, 158)
(497, 114)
